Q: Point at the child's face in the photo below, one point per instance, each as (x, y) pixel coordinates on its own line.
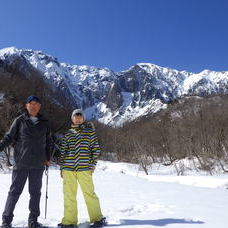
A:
(77, 119)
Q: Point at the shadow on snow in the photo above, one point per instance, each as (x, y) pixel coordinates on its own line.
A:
(158, 222)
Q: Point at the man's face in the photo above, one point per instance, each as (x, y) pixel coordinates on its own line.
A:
(33, 108)
(78, 119)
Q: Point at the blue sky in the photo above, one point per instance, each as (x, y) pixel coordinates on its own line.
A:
(187, 35)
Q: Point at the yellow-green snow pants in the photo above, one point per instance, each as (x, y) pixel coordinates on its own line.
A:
(70, 186)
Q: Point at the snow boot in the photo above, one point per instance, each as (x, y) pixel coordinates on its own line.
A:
(6, 225)
(99, 224)
(34, 224)
(67, 226)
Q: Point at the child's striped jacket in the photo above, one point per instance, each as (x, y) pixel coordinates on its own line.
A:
(79, 148)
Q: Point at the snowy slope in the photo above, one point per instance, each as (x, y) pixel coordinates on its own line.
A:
(116, 97)
(131, 199)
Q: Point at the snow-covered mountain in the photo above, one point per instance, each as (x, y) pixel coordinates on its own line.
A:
(116, 97)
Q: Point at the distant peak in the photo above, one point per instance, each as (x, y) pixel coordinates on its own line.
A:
(14, 50)
(205, 72)
(151, 68)
(9, 50)
(147, 65)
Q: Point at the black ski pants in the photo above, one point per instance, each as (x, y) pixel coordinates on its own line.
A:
(19, 178)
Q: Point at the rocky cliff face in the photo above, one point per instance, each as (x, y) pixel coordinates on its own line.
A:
(115, 97)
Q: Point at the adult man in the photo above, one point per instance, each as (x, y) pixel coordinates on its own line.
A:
(30, 135)
(79, 153)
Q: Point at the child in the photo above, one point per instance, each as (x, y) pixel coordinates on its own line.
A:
(79, 153)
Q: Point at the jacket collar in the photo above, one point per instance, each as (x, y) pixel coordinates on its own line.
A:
(77, 126)
(39, 116)
(83, 125)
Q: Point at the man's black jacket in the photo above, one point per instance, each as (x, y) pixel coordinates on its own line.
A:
(32, 142)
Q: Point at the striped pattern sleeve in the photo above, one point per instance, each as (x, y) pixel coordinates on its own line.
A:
(95, 147)
(63, 147)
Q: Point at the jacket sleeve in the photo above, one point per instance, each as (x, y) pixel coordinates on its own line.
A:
(63, 147)
(49, 145)
(11, 135)
(95, 147)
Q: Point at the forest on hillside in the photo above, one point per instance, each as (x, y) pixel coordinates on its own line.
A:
(195, 128)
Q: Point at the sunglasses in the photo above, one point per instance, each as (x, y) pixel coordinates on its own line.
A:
(78, 114)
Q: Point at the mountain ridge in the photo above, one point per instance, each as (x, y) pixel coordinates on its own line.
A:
(115, 98)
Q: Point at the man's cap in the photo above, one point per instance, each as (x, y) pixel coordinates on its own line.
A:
(33, 98)
(78, 112)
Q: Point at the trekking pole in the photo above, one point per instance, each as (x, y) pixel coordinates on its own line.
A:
(46, 197)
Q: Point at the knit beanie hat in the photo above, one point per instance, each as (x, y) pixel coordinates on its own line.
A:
(78, 112)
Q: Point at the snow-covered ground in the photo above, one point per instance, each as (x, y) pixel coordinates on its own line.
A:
(131, 199)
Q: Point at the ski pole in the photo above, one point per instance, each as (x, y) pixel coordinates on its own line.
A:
(46, 197)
